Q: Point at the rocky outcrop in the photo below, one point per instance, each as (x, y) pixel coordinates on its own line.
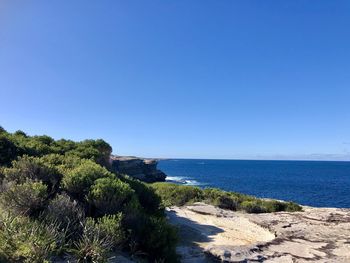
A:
(211, 234)
(142, 169)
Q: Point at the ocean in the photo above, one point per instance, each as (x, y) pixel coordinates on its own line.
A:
(313, 183)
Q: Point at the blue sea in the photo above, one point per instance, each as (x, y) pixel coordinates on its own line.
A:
(314, 183)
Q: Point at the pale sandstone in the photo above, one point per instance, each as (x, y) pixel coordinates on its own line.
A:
(314, 235)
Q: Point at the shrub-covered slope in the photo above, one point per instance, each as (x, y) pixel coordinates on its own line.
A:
(59, 200)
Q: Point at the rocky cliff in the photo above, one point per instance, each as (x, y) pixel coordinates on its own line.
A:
(142, 169)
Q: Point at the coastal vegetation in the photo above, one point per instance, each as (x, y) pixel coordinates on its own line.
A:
(179, 195)
(61, 200)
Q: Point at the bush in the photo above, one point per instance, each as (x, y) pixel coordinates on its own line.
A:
(67, 214)
(93, 246)
(97, 150)
(146, 195)
(108, 227)
(78, 180)
(99, 237)
(32, 168)
(172, 194)
(8, 150)
(293, 207)
(24, 240)
(221, 198)
(2, 130)
(26, 199)
(252, 207)
(160, 241)
(151, 236)
(108, 195)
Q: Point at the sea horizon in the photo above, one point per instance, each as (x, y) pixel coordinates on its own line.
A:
(308, 182)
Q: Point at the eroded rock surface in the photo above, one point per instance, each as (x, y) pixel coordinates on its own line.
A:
(314, 235)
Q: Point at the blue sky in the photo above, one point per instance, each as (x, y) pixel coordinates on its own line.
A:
(196, 79)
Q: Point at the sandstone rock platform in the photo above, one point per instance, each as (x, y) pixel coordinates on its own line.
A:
(208, 234)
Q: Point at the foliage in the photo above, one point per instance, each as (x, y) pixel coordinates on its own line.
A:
(99, 237)
(91, 247)
(173, 194)
(146, 195)
(32, 168)
(26, 199)
(253, 206)
(108, 195)
(78, 180)
(108, 227)
(151, 236)
(25, 240)
(8, 150)
(64, 202)
(69, 215)
(96, 150)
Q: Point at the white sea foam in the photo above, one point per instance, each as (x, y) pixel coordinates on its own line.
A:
(182, 180)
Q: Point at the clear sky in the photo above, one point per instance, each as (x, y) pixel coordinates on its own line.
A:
(196, 79)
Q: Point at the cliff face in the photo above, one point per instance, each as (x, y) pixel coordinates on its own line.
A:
(142, 169)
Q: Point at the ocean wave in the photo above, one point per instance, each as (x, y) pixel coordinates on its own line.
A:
(182, 180)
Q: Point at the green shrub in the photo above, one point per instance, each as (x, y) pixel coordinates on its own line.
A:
(67, 214)
(108, 227)
(151, 236)
(293, 207)
(20, 133)
(160, 242)
(32, 168)
(8, 150)
(146, 195)
(93, 246)
(78, 180)
(24, 240)
(252, 206)
(26, 199)
(2, 130)
(221, 198)
(97, 150)
(172, 194)
(274, 206)
(108, 195)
